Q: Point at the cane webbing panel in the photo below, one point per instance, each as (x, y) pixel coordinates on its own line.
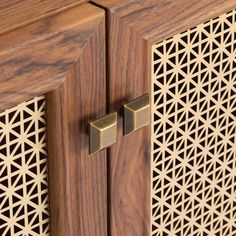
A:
(23, 170)
(194, 131)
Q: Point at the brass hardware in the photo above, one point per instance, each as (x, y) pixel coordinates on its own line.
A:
(136, 114)
(102, 133)
(28, 156)
(174, 125)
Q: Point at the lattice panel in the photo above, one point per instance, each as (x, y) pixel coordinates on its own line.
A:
(194, 131)
(23, 170)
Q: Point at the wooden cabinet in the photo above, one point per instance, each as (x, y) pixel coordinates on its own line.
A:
(175, 176)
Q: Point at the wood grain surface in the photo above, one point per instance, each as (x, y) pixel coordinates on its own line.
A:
(36, 58)
(156, 20)
(15, 13)
(77, 181)
(133, 27)
(64, 55)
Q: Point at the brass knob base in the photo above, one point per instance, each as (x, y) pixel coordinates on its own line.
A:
(102, 133)
(136, 114)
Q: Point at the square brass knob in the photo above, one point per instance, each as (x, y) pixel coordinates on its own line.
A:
(136, 114)
(102, 133)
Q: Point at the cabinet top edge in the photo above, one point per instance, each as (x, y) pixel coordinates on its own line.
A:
(15, 14)
(156, 20)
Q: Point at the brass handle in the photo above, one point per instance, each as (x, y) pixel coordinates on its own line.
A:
(136, 114)
(102, 132)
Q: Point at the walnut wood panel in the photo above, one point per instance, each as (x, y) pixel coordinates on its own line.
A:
(36, 58)
(15, 13)
(156, 20)
(64, 56)
(78, 181)
(133, 27)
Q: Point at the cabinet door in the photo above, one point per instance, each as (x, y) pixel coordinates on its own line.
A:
(59, 58)
(177, 176)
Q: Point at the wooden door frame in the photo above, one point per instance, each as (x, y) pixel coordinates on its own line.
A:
(63, 56)
(133, 28)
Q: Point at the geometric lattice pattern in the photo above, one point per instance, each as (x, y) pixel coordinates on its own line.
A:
(194, 131)
(23, 170)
